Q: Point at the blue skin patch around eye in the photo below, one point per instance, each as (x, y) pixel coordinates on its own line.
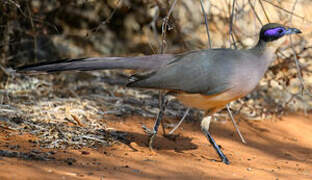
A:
(275, 32)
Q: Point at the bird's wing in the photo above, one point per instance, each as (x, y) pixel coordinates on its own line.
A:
(206, 72)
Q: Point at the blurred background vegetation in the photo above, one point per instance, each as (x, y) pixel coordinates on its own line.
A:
(44, 30)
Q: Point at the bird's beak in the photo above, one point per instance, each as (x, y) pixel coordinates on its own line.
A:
(292, 31)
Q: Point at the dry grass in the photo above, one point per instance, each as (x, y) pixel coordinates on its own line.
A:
(73, 113)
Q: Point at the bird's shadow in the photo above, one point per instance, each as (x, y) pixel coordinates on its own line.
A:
(178, 143)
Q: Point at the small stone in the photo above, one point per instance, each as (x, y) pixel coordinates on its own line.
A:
(248, 169)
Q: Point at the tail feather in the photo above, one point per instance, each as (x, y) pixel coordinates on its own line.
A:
(135, 78)
(150, 62)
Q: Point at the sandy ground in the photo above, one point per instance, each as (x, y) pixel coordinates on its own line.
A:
(279, 149)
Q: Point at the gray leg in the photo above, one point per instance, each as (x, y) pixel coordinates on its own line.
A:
(205, 127)
(152, 133)
(235, 125)
(180, 122)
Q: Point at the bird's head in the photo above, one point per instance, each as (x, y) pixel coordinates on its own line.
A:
(273, 31)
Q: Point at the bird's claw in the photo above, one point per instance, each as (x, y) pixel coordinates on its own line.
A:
(148, 131)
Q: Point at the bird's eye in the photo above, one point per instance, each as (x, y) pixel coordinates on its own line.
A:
(280, 31)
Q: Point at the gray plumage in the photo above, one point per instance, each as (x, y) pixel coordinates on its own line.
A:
(205, 72)
(206, 79)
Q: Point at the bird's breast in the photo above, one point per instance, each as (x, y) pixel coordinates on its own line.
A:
(246, 77)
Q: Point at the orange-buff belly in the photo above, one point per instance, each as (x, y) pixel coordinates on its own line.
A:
(205, 102)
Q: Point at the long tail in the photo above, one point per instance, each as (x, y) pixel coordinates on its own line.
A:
(87, 64)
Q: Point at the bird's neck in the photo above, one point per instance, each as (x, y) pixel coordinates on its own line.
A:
(264, 52)
(260, 48)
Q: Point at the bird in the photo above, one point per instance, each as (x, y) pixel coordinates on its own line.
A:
(206, 79)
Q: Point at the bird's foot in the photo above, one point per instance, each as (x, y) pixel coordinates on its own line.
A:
(151, 135)
(150, 141)
(225, 160)
(148, 131)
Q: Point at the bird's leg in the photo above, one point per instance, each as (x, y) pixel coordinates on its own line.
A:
(152, 133)
(205, 129)
(180, 122)
(230, 114)
(235, 125)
